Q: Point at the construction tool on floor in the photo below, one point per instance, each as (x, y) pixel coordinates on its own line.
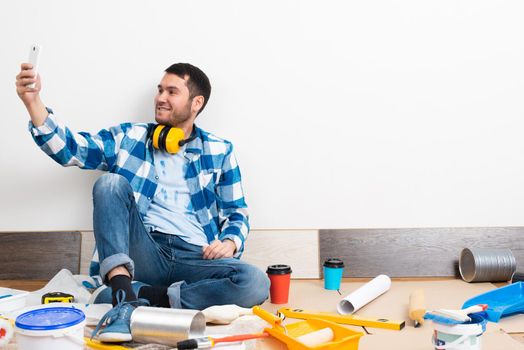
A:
(417, 307)
(503, 301)
(323, 334)
(445, 316)
(225, 314)
(209, 342)
(95, 344)
(352, 320)
(57, 297)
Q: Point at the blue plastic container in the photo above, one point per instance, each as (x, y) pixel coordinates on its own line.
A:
(333, 270)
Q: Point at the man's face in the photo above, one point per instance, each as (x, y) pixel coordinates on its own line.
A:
(172, 102)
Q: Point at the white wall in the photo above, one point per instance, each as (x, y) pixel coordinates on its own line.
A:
(343, 113)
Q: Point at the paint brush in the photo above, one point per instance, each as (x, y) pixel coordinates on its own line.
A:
(209, 342)
(445, 316)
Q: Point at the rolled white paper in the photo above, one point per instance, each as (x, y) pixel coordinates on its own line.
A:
(315, 338)
(364, 295)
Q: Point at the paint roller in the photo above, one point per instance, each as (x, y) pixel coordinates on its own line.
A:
(6, 332)
(315, 338)
(417, 307)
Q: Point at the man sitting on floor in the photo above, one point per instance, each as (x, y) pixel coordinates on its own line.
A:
(173, 219)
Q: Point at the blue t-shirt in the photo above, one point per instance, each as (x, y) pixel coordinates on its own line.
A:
(171, 210)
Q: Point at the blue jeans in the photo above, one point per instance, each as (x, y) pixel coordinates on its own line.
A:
(166, 260)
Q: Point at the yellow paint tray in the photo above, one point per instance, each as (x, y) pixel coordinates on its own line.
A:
(344, 338)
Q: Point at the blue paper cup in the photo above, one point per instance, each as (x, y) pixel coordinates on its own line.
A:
(333, 270)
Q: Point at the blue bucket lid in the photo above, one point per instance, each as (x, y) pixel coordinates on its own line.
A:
(47, 319)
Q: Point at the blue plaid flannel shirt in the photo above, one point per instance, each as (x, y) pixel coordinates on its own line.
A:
(213, 175)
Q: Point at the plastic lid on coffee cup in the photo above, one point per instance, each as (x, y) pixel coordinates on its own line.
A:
(334, 263)
(278, 269)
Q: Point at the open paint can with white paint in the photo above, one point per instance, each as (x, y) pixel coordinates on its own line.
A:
(57, 328)
(463, 336)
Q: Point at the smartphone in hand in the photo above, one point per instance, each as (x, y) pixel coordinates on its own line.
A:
(34, 59)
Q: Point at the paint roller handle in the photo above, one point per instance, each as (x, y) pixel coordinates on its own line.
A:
(209, 342)
(417, 307)
(240, 337)
(268, 317)
(475, 308)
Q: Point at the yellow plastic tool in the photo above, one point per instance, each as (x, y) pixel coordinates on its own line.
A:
(57, 297)
(344, 338)
(352, 320)
(95, 344)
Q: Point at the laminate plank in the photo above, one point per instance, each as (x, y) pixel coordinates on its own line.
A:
(413, 252)
(38, 255)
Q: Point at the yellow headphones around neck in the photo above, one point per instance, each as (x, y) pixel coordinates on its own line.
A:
(169, 139)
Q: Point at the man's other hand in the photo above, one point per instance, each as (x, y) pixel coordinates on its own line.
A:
(218, 249)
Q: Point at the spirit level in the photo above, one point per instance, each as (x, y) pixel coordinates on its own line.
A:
(352, 320)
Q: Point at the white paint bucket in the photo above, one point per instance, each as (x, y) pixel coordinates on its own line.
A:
(464, 336)
(57, 328)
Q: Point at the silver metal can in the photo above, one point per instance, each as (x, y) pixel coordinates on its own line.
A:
(166, 326)
(486, 264)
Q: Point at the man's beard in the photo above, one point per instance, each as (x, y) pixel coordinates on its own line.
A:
(179, 118)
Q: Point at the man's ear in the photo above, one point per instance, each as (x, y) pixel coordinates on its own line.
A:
(197, 103)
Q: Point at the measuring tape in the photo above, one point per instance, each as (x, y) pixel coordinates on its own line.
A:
(57, 297)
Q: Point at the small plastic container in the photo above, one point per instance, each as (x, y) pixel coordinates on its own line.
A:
(12, 299)
(57, 328)
(333, 271)
(280, 277)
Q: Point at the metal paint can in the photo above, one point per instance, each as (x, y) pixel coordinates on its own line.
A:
(166, 326)
(486, 264)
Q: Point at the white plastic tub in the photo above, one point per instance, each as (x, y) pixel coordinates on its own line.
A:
(12, 299)
(57, 328)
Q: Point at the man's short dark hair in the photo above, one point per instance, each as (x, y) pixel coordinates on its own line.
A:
(197, 83)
